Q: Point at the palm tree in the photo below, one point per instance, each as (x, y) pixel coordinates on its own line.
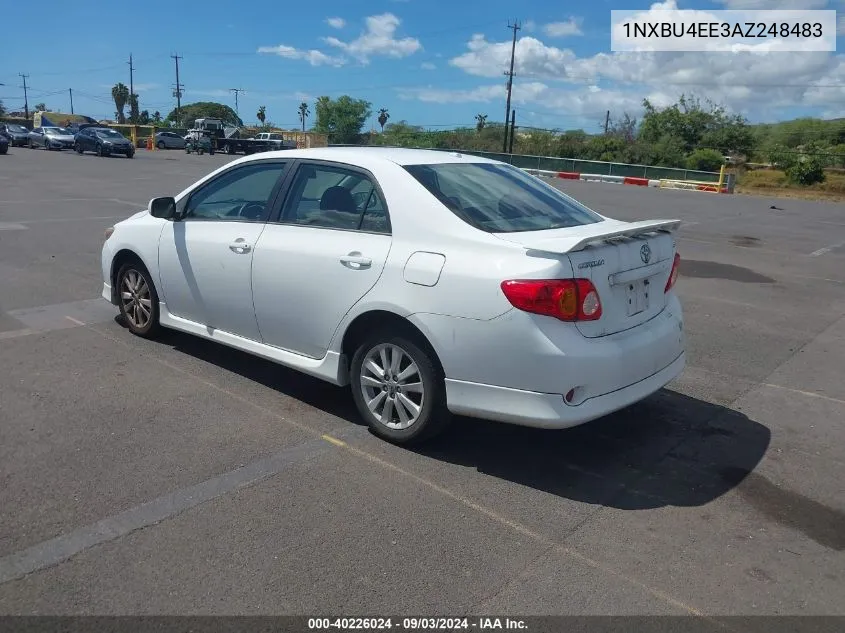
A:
(304, 113)
(120, 94)
(482, 119)
(383, 116)
(262, 114)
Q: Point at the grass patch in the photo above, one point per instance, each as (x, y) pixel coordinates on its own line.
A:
(773, 182)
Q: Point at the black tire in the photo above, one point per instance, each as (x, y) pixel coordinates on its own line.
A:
(100, 152)
(152, 327)
(47, 145)
(31, 144)
(130, 154)
(230, 148)
(160, 144)
(79, 149)
(434, 416)
(3, 150)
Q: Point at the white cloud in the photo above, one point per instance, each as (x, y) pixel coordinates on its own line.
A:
(532, 58)
(313, 57)
(759, 85)
(563, 29)
(336, 23)
(773, 4)
(378, 39)
(428, 66)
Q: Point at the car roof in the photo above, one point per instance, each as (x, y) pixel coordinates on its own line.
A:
(373, 156)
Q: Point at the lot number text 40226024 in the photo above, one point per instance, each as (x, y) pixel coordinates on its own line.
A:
(416, 624)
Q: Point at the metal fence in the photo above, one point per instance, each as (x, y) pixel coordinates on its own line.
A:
(601, 168)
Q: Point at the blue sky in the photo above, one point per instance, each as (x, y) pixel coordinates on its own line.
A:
(430, 62)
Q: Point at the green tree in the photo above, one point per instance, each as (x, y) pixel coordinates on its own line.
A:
(342, 119)
(120, 94)
(304, 113)
(705, 160)
(144, 117)
(481, 120)
(383, 116)
(206, 109)
(156, 117)
(261, 115)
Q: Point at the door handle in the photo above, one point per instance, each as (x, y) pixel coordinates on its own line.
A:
(240, 246)
(356, 261)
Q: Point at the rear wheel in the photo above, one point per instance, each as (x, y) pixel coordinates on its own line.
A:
(138, 300)
(78, 148)
(100, 151)
(160, 144)
(398, 388)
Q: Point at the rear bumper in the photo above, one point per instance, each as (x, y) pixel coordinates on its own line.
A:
(517, 367)
(548, 410)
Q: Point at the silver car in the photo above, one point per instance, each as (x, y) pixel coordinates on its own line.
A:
(169, 140)
(51, 138)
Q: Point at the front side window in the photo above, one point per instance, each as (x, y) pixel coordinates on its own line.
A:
(336, 198)
(239, 195)
(500, 198)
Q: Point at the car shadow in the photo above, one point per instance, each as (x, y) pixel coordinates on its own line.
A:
(668, 450)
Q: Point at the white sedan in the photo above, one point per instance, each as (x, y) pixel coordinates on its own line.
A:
(433, 283)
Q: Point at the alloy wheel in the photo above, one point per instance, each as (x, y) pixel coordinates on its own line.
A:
(392, 386)
(136, 299)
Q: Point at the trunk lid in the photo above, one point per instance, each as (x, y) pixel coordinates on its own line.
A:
(628, 262)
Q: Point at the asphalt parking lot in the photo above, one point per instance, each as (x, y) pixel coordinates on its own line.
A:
(182, 477)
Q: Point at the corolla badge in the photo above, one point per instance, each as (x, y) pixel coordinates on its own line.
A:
(645, 253)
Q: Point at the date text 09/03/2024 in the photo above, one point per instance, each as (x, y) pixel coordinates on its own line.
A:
(416, 624)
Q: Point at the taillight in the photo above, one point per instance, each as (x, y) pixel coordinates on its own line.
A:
(564, 299)
(673, 275)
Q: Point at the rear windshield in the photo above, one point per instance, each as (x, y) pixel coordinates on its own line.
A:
(500, 198)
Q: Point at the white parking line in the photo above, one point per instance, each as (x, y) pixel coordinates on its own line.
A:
(827, 249)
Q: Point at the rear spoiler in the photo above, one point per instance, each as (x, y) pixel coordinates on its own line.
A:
(592, 233)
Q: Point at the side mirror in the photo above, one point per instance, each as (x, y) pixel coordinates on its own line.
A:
(164, 208)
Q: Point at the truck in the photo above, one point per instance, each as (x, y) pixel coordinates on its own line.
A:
(227, 138)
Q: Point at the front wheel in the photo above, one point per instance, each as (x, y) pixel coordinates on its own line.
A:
(100, 151)
(160, 144)
(47, 145)
(138, 300)
(130, 154)
(399, 388)
(78, 148)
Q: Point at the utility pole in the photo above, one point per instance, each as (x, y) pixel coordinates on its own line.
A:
(606, 122)
(178, 92)
(236, 91)
(131, 88)
(70, 90)
(25, 100)
(515, 26)
(513, 130)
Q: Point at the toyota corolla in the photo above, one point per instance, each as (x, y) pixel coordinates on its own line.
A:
(431, 283)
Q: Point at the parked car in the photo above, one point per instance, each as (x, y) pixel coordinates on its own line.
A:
(17, 135)
(103, 141)
(51, 138)
(169, 140)
(430, 282)
(4, 143)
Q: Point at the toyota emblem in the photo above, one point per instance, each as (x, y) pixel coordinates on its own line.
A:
(645, 253)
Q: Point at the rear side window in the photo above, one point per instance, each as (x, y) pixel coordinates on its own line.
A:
(500, 198)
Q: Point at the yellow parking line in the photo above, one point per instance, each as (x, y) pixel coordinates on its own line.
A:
(333, 440)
